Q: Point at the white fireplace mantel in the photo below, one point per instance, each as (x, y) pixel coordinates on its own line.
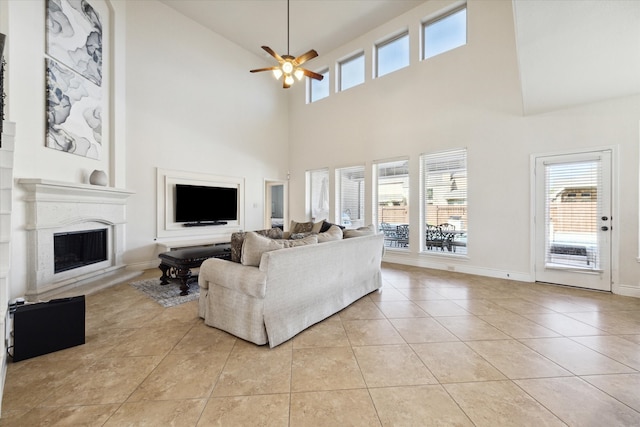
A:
(54, 207)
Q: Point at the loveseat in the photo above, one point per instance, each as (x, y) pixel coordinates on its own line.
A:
(275, 293)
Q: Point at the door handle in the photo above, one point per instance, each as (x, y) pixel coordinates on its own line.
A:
(605, 218)
(604, 228)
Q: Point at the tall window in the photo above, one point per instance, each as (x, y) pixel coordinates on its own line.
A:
(444, 193)
(392, 202)
(351, 71)
(318, 191)
(392, 54)
(319, 89)
(444, 33)
(350, 196)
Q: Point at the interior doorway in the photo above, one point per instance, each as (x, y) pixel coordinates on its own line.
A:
(573, 219)
(276, 204)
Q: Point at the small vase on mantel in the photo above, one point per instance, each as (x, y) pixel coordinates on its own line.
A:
(98, 177)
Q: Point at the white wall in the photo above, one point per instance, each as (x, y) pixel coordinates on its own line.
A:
(192, 105)
(469, 97)
(180, 97)
(26, 96)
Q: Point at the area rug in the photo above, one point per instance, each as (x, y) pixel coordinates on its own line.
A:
(167, 295)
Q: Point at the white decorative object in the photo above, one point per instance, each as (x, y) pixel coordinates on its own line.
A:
(98, 177)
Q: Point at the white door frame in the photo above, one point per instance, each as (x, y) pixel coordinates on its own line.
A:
(268, 183)
(614, 235)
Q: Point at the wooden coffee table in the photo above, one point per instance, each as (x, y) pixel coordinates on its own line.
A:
(178, 264)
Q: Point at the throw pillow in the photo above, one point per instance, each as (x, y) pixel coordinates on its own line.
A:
(255, 245)
(238, 238)
(309, 240)
(333, 233)
(362, 231)
(305, 227)
(298, 236)
(326, 225)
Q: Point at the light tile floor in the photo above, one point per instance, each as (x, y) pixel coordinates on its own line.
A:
(430, 348)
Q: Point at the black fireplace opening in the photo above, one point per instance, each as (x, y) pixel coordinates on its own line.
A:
(78, 249)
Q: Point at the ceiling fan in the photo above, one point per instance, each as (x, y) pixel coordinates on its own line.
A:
(289, 66)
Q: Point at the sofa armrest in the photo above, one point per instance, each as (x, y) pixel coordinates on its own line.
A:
(232, 275)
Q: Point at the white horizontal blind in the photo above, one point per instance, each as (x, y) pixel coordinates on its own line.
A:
(392, 195)
(444, 192)
(350, 191)
(319, 194)
(572, 192)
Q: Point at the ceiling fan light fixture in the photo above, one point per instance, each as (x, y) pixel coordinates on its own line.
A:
(287, 67)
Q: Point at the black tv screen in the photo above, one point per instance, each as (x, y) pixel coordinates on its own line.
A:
(204, 204)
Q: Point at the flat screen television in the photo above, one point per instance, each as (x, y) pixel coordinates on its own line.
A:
(205, 205)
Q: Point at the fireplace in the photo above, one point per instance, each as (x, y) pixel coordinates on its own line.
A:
(75, 237)
(77, 249)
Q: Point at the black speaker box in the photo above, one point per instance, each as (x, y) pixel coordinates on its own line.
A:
(46, 327)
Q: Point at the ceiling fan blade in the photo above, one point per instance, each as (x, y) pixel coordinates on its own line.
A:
(272, 53)
(257, 70)
(306, 56)
(312, 74)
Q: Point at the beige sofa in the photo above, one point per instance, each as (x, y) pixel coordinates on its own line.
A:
(291, 289)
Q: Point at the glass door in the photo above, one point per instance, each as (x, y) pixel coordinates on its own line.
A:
(573, 220)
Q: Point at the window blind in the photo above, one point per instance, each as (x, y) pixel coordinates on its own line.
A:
(572, 204)
(350, 195)
(444, 193)
(392, 195)
(319, 194)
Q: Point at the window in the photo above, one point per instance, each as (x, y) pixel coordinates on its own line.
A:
(318, 191)
(392, 54)
(444, 189)
(319, 89)
(350, 196)
(392, 202)
(351, 71)
(444, 33)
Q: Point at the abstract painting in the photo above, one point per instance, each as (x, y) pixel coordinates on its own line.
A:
(74, 37)
(74, 112)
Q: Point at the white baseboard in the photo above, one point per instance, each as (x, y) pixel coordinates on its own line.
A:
(626, 290)
(453, 265)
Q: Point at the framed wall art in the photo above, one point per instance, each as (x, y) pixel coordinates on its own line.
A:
(74, 78)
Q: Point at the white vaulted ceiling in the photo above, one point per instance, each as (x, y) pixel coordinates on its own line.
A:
(322, 25)
(570, 52)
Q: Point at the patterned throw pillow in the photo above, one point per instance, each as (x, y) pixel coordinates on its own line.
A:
(255, 245)
(237, 239)
(305, 227)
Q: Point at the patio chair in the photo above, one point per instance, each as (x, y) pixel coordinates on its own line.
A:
(447, 236)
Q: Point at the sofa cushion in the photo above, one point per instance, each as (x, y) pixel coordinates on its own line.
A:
(255, 245)
(361, 231)
(333, 233)
(238, 238)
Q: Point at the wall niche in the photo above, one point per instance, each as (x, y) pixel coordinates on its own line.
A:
(167, 227)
